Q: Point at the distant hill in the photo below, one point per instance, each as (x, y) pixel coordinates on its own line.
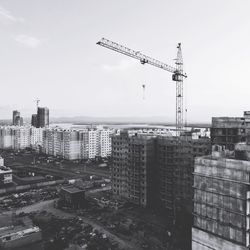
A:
(79, 120)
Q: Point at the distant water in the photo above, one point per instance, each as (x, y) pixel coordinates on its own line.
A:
(115, 126)
(62, 125)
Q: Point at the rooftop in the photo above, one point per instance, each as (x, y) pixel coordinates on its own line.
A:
(72, 189)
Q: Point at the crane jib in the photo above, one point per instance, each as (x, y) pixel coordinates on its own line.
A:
(177, 72)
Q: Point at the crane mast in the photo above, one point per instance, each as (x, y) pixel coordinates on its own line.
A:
(177, 72)
(178, 78)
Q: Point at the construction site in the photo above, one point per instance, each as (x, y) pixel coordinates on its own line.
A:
(125, 125)
(182, 177)
(156, 171)
(153, 193)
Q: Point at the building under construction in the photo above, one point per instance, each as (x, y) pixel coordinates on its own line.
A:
(227, 131)
(133, 168)
(221, 200)
(175, 161)
(155, 171)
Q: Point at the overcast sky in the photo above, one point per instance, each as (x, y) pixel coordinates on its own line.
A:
(48, 50)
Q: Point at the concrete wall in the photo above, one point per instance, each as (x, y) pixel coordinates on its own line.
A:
(205, 241)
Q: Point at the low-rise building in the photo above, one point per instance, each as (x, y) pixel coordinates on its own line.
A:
(15, 237)
(73, 196)
(5, 175)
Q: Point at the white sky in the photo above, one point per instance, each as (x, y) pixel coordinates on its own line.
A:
(48, 50)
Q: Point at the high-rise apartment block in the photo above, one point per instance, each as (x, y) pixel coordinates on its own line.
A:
(150, 169)
(21, 138)
(36, 137)
(7, 137)
(141, 170)
(42, 117)
(15, 114)
(119, 164)
(70, 144)
(63, 143)
(77, 144)
(34, 120)
(13, 137)
(227, 131)
(133, 167)
(222, 200)
(17, 120)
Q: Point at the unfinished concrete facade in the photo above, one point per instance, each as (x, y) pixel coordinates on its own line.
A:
(133, 170)
(119, 165)
(175, 160)
(221, 202)
(155, 170)
(141, 170)
(228, 131)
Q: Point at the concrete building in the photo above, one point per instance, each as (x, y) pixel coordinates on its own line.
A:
(73, 196)
(222, 200)
(6, 137)
(92, 144)
(1, 162)
(84, 144)
(17, 120)
(228, 131)
(157, 130)
(42, 117)
(14, 116)
(73, 144)
(21, 138)
(5, 175)
(14, 137)
(119, 165)
(17, 138)
(155, 169)
(36, 137)
(175, 160)
(63, 143)
(34, 120)
(104, 142)
(134, 169)
(141, 170)
(70, 144)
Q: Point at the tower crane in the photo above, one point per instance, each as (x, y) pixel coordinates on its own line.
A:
(177, 72)
(37, 102)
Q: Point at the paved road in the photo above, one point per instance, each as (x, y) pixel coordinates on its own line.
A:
(49, 207)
